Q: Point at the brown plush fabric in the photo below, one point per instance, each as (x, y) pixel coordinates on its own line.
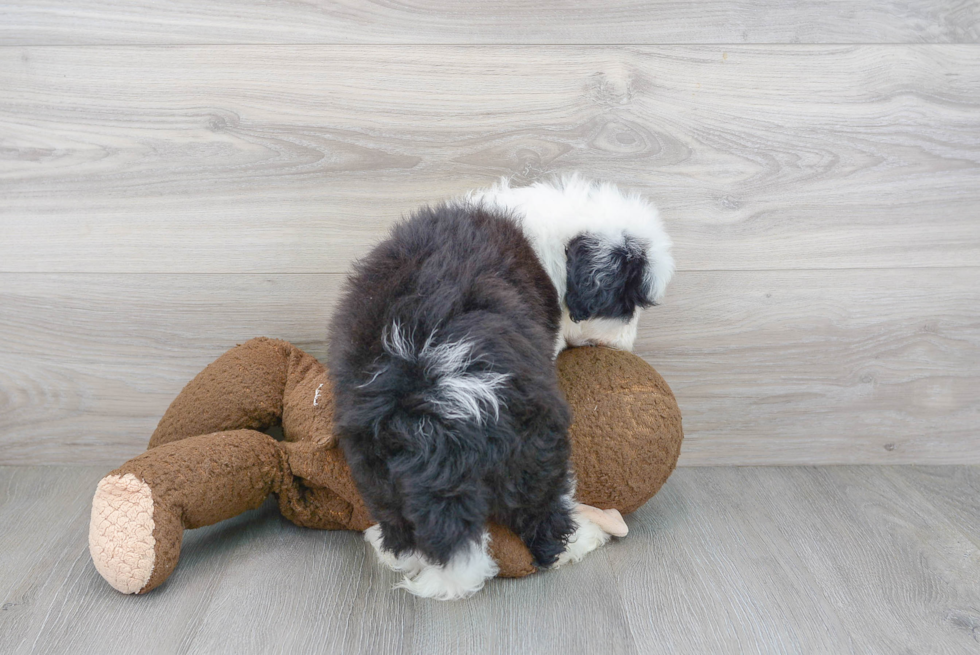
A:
(242, 389)
(626, 427)
(201, 480)
(510, 553)
(207, 461)
(319, 477)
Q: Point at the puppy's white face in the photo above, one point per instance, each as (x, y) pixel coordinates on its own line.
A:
(606, 252)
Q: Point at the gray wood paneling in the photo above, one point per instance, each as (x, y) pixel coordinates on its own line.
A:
(162, 198)
(832, 366)
(722, 560)
(73, 22)
(295, 159)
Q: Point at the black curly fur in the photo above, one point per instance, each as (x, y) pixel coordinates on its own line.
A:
(432, 478)
(605, 280)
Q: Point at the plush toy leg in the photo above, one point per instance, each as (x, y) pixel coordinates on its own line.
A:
(318, 491)
(242, 389)
(141, 509)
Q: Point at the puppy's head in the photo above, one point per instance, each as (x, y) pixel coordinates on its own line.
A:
(610, 277)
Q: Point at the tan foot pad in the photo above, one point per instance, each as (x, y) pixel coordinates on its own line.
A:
(120, 536)
(610, 520)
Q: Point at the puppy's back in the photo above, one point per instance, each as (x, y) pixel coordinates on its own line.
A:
(440, 354)
(439, 264)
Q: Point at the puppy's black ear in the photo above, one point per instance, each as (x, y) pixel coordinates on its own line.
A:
(606, 278)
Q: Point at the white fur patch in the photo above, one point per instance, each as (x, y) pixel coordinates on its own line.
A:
(459, 394)
(464, 575)
(397, 344)
(600, 331)
(409, 564)
(554, 212)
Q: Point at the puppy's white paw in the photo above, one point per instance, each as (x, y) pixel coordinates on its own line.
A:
(587, 537)
(409, 563)
(461, 577)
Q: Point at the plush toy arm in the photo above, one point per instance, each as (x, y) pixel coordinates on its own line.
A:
(140, 510)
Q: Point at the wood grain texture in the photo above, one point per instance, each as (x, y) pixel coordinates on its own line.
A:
(67, 22)
(295, 159)
(787, 560)
(797, 560)
(44, 512)
(769, 367)
(954, 491)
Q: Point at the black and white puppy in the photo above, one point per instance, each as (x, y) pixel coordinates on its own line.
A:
(442, 362)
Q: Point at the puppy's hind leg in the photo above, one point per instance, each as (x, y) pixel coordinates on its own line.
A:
(545, 531)
(392, 538)
(567, 532)
(462, 576)
(408, 561)
(450, 534)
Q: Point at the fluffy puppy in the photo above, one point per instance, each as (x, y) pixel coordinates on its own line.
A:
(605, 250)
(441, 354)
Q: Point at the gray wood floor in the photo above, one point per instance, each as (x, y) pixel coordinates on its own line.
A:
(723, 560)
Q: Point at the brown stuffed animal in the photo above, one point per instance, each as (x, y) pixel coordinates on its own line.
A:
(208, 461)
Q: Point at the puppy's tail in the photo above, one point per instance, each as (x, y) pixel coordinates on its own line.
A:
(434, 400)
(456, 382)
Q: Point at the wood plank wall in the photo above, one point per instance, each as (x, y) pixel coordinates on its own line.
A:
(177, 177)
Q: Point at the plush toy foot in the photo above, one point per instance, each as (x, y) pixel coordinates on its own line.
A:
(140, 510)
(120, 535)
(595, 528)
(122, 531)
